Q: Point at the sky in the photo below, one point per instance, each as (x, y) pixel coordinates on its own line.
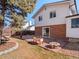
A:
(40, 3)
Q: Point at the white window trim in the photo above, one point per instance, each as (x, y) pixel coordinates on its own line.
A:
(43, 31)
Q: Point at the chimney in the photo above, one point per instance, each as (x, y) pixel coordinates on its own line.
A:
(73, 6)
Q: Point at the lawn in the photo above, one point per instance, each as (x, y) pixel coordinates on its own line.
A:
(27, 51)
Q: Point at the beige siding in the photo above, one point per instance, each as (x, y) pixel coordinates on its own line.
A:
(62, 10)
(71, 32)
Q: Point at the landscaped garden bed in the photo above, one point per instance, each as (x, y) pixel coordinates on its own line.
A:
(28, 51)
(6, 46)
(63, 47)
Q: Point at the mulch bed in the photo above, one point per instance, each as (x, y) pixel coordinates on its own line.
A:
(7, 45)
(32, 43)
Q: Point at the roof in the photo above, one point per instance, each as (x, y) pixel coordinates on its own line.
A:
(72, 15)
(60, 2)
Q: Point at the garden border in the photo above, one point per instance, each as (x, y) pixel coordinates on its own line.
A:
(10, 49)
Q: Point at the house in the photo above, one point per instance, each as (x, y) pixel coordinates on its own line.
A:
(57, 20)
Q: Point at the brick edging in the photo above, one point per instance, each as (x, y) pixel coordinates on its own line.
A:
(10, 49)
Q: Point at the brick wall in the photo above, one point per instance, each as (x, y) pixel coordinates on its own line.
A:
(56, 31)
(38, 31)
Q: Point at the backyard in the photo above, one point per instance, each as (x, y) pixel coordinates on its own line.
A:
(27, 51)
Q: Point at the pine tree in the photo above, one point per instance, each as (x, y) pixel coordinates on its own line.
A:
(26, 6)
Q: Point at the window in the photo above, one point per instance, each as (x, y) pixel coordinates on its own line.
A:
(75, 23)
(40, 18)
(52, 14)
(46, 31)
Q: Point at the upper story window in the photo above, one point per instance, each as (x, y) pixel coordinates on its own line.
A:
(52, 14)
(75, 23)
(40, 18)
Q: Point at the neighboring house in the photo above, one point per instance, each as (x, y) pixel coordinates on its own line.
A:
(26, 26)
(57, 20)
(29, 26)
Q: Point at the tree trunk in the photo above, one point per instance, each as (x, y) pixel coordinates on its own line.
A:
(21, 34)
(3, 6)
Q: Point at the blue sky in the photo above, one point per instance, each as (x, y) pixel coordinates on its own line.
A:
(40, 3)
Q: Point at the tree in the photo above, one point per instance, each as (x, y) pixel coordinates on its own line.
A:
(26, 6)
(1, 24)
(17, 23)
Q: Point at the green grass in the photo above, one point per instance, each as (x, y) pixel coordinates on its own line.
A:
(27, 51)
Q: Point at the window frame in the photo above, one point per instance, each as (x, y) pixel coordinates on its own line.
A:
(52, 14)
(40, 18)
(75, 23)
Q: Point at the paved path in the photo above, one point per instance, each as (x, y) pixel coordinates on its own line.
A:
(27, 38)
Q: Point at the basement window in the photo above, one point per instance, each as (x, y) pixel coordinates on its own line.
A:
(75, 23)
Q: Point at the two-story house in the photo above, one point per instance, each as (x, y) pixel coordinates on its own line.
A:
(53, 20)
